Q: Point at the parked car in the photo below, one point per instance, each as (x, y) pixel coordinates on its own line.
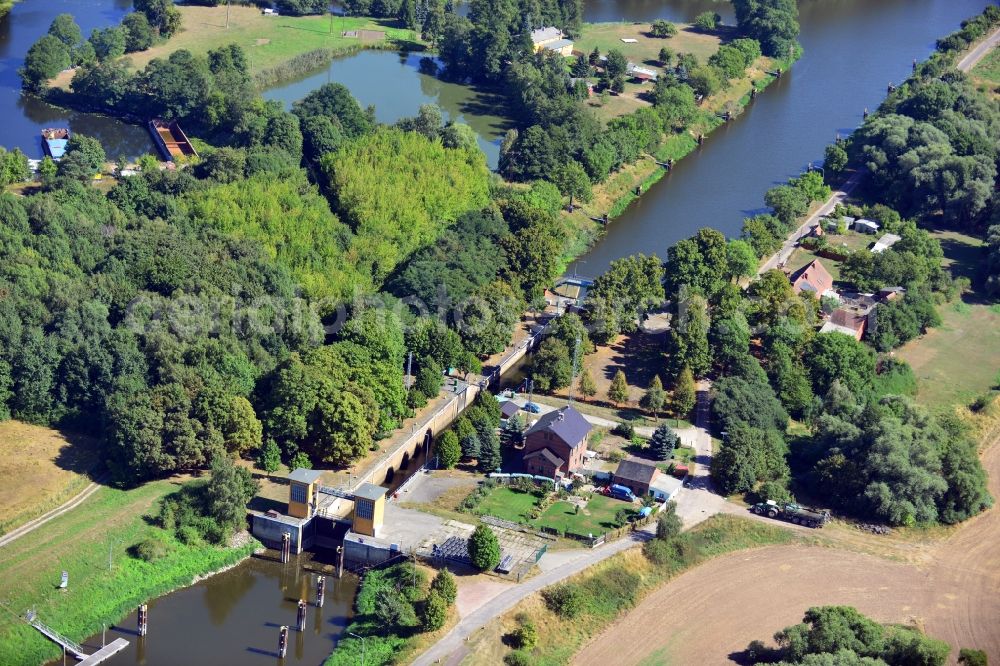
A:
(621, 493)
(532, 408)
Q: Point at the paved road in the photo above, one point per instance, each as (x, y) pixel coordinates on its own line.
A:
(978, 53)
(31, 525)
(451, 648)
(782, 255)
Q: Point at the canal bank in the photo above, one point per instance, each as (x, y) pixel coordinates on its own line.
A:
(851, 51)
(233, 617)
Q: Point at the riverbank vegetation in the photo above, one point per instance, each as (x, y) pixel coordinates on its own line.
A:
(567, 615)
(395, 605)
(111, 522)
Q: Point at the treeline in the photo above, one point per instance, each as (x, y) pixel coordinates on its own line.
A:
(64, 46)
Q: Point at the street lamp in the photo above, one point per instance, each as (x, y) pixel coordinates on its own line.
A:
(362, 646)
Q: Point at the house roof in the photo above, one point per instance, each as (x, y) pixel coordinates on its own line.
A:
(555, 460)
(851, 319)
(558, 44)
(830, 327)
(543, 35)
(641, 72)
(868, 224)
(370, 491)
(885, 242)
(812, 277)
(306, 476)
(567, 424)
(666, 484)
(509, 408)
(636, 469)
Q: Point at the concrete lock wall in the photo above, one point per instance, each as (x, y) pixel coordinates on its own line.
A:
(367, 553)
(269, 530)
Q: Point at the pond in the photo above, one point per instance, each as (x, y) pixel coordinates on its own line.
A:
(397, 84)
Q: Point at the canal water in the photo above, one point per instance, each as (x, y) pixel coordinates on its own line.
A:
(234, 618)
(853, 49)
(23, 117)
(397, 85)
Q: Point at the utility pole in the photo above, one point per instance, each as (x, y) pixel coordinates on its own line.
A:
(576, 352)
(228, 4)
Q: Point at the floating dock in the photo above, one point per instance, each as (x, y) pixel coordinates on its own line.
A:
(55, 140)
(73, 648)
(171, 140)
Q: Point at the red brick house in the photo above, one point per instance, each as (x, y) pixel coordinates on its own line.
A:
(555, 444)
(812, 277)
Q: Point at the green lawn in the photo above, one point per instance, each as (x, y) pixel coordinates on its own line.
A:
(598, 517)
(988, 69)
(78, 542)
(508, 504)
(516, 506)
(268, 40)
(960, 359)
(607, 36)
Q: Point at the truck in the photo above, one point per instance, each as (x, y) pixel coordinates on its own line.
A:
(800, 515)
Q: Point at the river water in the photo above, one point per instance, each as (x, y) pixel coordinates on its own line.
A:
(853, 49)
(234, 618)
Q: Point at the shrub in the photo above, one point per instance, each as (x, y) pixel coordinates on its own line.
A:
(518, 658)
(624, 429)
(188, 534)
(770, 490)
(435, 612)
(444, 585)
(524, 637)
(566, 600)
(148, 550)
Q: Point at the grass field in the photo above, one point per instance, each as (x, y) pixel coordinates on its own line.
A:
(607, 36)
(559, 638)
(987, 72)
(78, 542)
(268, 40)
(39, 470)
(508, 504)
(960, 359)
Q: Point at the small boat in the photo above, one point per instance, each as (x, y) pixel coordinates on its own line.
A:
(171, 139)
(54, 141)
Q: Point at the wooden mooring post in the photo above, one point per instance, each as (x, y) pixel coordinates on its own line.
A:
(286, 547)
(282, 642)
(300, 617)
(340, 561)
(320, 591)
(142, 618)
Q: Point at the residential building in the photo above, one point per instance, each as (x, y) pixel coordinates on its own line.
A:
(885, 242)
(508, 409)
(556, 443)
(812, 277)
(643, 478)
(865, 226)
(551, 39)
(847, 320)
(641, 73)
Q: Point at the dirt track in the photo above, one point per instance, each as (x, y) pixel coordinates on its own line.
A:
(716, 609)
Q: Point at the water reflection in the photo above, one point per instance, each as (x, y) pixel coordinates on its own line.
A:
(397, 84)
